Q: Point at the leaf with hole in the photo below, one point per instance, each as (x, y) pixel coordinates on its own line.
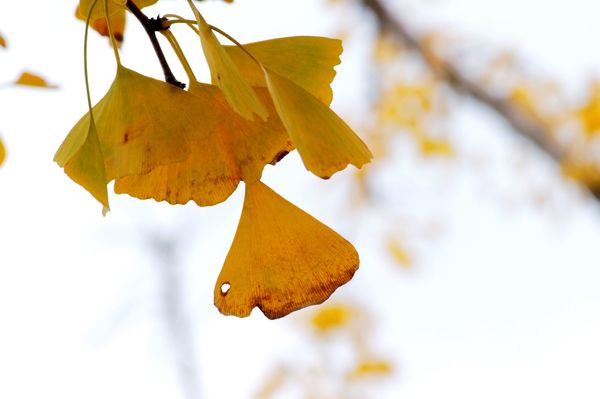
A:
(281, 259)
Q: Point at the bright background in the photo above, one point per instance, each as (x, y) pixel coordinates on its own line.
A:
(502, 300)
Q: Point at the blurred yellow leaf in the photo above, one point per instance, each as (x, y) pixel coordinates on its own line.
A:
(235, 149)
(587, 173)
(525, 99)
(331, 317)
(398, 253)
(31, 79)
(371, 368)
(114, 7)
(307, 61)
(281, 259)
(589, 114)
(273, 383)
(224, 73)
(325, 142)
(2, 41)
(100, 25)
(2, 152)
(434, 147)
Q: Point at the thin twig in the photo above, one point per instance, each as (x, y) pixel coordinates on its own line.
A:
(521, 123)
(151, 26)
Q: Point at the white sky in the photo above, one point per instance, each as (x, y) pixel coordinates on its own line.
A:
(504, 303)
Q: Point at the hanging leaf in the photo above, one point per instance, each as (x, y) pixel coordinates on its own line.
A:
(235, 149)
(224, 73)
(307, 61)
(325, 142)
(114, 7)
(117, 21)
(86, 167)
(141, 123)
(281, 259)
(31, 79)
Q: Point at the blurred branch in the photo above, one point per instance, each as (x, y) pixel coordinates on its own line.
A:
(521, 122)
(166, 249)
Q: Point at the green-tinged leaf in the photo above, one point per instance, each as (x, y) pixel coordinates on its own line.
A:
(86, 167)
(325, 142)
(142, 123)
(224, 73)
(307, 61)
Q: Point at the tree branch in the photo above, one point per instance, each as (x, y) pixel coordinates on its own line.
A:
(151, 26)
(521, 123)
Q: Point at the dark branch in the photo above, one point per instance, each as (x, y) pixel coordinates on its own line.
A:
(151, 26)
(523, 124)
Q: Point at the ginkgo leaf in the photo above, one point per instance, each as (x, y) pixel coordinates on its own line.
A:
(31, 79)
(142, 123)
(307, 61)
(331, 317)
(325, 142)
(2, 152)
(114, 6)
(281, 259)
(117, 21)
(2, 41)
(237, 91)
(86, 167)
(370, 367)
(235, 149)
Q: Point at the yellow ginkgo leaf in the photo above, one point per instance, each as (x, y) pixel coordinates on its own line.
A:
(331, 317)
(307, 61)
(235, 149)
(281, 259)
(589, 113)
(325, 142)
(142, 123)
(371, 368)
(86, 167)
(2, 152)
(31, 79)
(399, 253)
(431, 146)
(2, 41)
(237, 91)
(117, 21)
(98, 12)
(114, 6)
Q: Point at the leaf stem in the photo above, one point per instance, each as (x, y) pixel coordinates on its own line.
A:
(151, 26)
(111, 34)
(85, 61)
(190, 23)
(182, 59)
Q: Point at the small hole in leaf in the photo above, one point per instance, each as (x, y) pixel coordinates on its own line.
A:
(225, 288)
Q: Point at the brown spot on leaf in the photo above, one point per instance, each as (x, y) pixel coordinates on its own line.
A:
(279, 156)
